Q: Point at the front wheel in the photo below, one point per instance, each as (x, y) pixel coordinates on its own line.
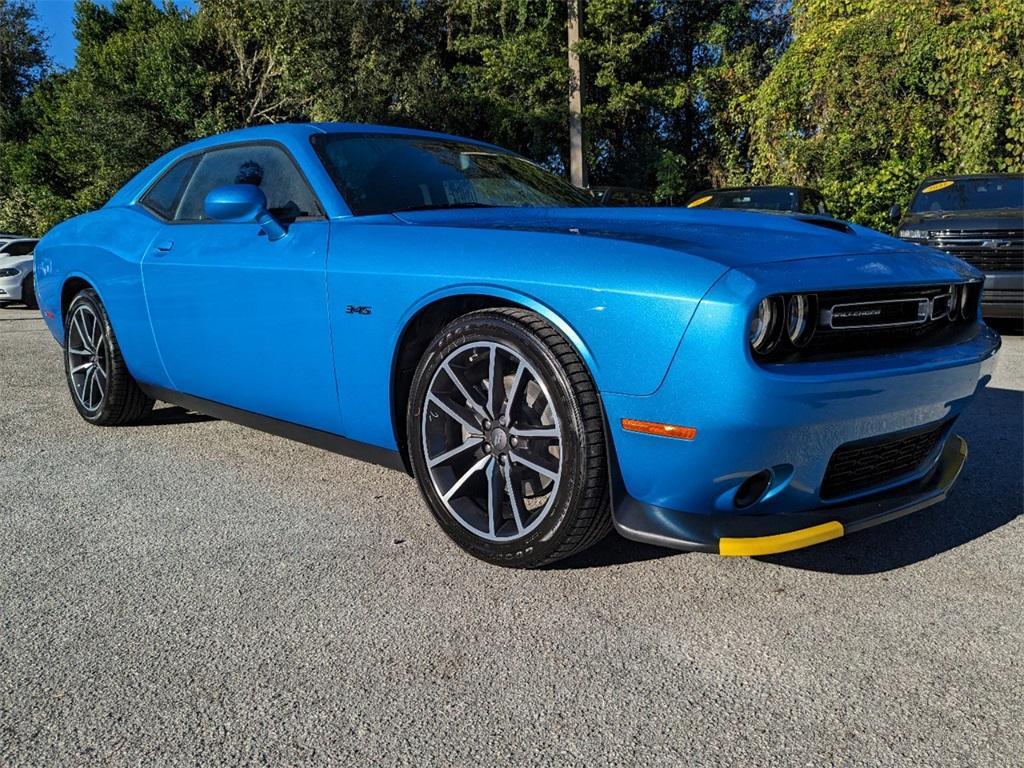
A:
(102, 389)
(506, 437)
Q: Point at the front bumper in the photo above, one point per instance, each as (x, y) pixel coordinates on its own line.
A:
(788, 419)
(753, 535)
(10, 287)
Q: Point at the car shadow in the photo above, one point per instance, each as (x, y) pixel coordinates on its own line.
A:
(989, 494)
(173, 414)
(612, 550)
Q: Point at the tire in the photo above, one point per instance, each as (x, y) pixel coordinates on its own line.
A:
(518, 478)
(28, 292)
(102, 389)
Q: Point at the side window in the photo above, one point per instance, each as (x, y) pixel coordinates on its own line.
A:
(163, 196)
(263, 165)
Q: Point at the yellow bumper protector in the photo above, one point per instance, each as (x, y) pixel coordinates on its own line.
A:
(780, 542)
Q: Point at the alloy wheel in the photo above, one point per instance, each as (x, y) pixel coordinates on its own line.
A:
(492, 441)
(88, 358)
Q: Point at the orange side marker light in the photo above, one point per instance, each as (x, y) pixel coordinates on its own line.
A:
(664, 430)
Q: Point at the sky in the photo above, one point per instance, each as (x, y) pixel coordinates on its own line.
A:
(55, 19)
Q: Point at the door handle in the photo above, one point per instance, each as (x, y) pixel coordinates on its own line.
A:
(163, 247)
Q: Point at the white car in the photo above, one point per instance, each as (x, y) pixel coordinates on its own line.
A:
(17, 283)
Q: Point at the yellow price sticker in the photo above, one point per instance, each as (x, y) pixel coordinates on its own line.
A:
(937, 186)
(699, 201)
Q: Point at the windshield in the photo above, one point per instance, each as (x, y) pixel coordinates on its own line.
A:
(763, 199)
(18, 248)
(385, 174)
(980, 194)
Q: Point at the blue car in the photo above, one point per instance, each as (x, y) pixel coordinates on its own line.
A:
(724, 381)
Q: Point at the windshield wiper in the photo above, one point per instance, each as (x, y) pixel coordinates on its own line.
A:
(444, 207)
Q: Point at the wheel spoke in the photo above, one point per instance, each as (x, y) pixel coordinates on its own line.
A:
(514, 496)
(99, 386)
(76, 322)
(510, 396)
(462, 480)
(549, 432)
(82, 367)
(453, 412)
(543, 471)
(494, 492)
(97, 333)
(87, 388)
(470, 400)
(492, 365)
(79, 352)
(101, 372)
(470, 443)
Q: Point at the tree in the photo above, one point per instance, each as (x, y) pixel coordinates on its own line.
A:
(23, 57)
(874, 95)
(139, 87)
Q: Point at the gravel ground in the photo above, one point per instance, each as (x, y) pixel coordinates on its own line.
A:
(193, 592)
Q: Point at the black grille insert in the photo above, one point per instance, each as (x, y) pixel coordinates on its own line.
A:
(878, 321)
(865, 464)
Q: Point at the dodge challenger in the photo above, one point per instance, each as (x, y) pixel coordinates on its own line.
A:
(725, 381)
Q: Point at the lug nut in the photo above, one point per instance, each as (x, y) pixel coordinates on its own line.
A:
(487, 424)
(487, 448)
(514, 441)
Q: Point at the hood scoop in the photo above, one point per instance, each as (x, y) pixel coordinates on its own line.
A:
(833, 224)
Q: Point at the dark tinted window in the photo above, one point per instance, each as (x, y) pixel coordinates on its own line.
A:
(981, 194)
(163, 197)
(263, 165)
(18, 248)
(764, 199)
(384, 174)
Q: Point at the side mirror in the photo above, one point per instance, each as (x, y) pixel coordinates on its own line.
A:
(895, 214)
(242, 203)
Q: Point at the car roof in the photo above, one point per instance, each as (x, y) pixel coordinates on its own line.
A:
(756, 186)
(282, 131)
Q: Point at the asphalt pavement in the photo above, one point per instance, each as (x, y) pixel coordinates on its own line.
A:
(191, 592)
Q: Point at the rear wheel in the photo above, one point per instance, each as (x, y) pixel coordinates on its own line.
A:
(28, 292)
(102, 389)
(506, 438)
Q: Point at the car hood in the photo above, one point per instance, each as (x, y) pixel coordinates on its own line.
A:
(730, 238)
(969, 220)
(14, 262)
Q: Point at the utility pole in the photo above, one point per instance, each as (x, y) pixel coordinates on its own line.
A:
(577, 166)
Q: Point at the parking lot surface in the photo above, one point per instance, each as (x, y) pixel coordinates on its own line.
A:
(193, 592)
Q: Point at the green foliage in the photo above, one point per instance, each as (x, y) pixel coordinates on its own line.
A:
(874, 95)
(22, 54)
(858, 97)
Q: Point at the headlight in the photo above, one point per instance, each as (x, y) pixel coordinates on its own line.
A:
(766, 324)
(800, 318)
(8, 272)
(913, 234)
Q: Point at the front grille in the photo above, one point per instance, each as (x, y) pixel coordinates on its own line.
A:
(865, 464)
(997, 250)
(888, 320)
